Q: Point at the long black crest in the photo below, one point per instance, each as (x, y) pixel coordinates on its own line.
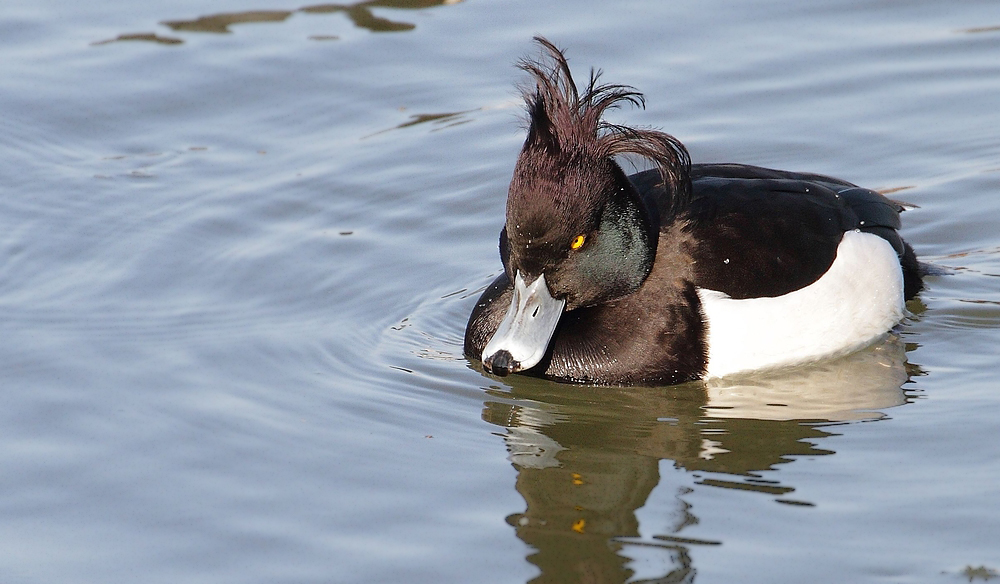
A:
(563, 121)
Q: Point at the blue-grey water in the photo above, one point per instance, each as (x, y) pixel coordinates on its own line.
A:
(239, 242)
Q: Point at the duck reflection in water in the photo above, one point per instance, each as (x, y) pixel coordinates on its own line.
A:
(589, 457)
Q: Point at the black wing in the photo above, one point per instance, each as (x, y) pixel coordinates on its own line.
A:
(764, 237)
(764, 232)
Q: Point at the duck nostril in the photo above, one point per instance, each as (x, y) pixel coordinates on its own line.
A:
(501, 363)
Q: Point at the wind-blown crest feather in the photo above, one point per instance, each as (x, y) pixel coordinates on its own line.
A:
(564, 123)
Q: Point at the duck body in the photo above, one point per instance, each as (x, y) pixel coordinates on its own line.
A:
(680, 272)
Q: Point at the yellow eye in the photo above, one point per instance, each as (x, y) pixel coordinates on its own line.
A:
(577, 242)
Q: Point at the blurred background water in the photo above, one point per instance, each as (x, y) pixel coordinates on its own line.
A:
(239, 243)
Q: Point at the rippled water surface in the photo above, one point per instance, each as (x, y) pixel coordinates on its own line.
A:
(240, 241)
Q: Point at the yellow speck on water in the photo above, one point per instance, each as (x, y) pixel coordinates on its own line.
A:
(980, 573)
(579, 525)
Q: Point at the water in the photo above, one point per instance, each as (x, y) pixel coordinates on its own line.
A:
(240, 243)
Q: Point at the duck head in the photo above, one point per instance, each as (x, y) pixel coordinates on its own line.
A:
(577, 232)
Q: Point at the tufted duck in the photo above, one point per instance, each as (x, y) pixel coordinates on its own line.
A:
(681, 272)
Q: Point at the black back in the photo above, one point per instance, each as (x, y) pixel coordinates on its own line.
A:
(764, 232)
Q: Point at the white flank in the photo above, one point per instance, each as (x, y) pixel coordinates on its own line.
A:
(854, 303)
